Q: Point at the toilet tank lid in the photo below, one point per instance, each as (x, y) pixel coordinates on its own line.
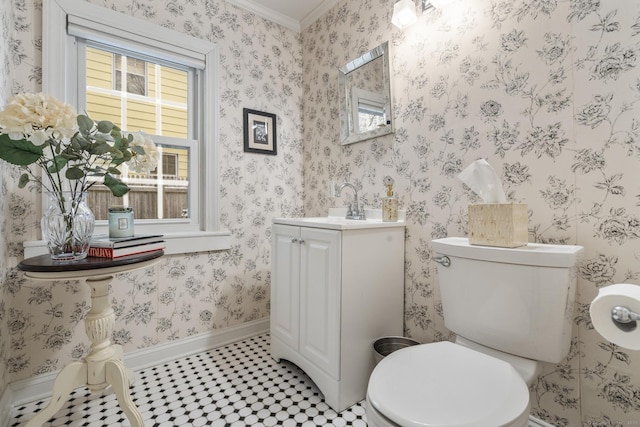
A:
(536, 254)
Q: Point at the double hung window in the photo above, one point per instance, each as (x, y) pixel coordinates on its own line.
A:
(144, 77)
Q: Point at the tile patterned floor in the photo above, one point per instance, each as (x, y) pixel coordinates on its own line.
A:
(236, 385)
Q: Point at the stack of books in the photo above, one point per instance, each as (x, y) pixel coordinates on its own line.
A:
(104, 247)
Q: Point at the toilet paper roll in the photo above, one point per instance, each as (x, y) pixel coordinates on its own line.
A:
(624, 295)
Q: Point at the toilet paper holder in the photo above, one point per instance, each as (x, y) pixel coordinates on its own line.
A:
(624, 318)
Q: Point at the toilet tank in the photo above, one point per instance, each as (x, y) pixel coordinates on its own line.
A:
(516, 300)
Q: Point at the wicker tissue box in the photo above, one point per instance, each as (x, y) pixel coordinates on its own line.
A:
(498, 224)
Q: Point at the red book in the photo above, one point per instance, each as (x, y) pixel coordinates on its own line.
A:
(131, 250)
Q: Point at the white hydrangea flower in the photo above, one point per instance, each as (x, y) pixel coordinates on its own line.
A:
(37, 117)
(51, 125)
(143, 163)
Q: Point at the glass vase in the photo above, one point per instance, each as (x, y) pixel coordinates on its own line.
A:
(67, 225)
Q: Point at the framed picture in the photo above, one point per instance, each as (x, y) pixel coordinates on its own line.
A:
(259, 132)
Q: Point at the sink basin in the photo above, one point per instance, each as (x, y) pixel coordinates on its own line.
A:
(336, 220)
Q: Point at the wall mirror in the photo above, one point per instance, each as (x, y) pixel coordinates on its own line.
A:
(365, 91)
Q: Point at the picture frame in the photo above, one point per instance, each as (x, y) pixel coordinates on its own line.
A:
(260, 135)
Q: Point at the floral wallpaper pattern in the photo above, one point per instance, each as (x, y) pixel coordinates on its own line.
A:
(260, 68)
(5, 77)
(547, 92)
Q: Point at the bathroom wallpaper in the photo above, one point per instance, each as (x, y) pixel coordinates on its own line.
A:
(5, 77)
(548, 92)
(261, 69)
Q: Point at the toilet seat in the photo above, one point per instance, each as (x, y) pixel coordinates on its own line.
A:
(444, 384)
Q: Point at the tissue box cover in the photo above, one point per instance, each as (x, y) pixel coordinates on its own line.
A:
(498, 224)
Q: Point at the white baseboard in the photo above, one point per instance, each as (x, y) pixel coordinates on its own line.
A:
(5, 407)
(40, 387)
(534, 422)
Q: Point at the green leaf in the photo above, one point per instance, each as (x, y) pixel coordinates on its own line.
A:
(85, 124)
(75, 144)
(114, 171)
(105, 126)
(59, 162)
(116, 135)
(101, 148)
(74, 173)
(138, 149)
(117, 162)
(24, 180)
(117, 187)
(100, 138)
(117, 154)
(19, 152)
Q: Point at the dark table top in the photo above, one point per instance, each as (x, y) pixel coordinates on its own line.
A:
(44, 263)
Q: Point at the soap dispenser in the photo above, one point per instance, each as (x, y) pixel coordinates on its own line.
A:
(389, 203)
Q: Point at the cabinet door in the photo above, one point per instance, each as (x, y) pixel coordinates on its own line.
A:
(285, 292)
(320, 298)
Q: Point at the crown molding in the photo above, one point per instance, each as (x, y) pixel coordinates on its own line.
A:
(317, 13)
(282, 19)
(270, 14)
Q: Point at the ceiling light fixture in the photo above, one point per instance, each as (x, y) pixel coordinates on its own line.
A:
(404, 14)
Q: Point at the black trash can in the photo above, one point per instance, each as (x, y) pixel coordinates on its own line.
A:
(384, 346)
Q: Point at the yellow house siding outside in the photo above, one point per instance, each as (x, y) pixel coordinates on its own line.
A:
(174, 84)
(99, 69)
(165, 115)
(169, 110)
(104, 107)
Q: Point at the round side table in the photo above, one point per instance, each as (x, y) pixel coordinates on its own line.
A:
(103, 366)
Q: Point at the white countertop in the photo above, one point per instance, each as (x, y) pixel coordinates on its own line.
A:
(336, 220)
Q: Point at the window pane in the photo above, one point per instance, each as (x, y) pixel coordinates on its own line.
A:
(163, 193)
(136, 84)
(161, 110)
(169, 166)
(160, 107)
(136, 74)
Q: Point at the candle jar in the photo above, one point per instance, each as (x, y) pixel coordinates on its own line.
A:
(120, 222)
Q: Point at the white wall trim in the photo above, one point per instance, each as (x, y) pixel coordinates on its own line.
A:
(282, 19)
(40, 387)
(270, 14)
(534, 422)
(317, 13)
(5, 407)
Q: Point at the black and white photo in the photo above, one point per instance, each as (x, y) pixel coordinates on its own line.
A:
(259, 132)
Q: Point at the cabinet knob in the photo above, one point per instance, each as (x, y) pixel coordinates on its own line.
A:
(301, 241)
(294, 240)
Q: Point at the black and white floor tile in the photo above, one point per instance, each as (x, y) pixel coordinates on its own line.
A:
(236, 385)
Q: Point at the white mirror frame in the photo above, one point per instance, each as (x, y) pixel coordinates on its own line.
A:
(349, 128)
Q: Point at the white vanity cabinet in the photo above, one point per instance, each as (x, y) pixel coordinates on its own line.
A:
(336, 287)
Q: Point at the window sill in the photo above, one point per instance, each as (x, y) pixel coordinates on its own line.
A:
(177, 243)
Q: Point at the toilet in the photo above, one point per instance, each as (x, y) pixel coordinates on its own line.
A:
(510, 309)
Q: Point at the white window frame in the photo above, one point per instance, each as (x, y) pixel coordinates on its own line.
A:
(59, 78)
(191, 142)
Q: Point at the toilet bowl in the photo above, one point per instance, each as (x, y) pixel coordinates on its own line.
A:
(446, 385)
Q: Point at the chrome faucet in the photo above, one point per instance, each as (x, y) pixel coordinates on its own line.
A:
(357, 213)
